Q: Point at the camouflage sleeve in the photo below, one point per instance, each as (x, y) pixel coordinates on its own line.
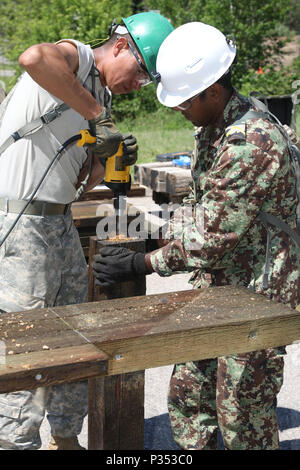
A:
(174, 228)
(233, 193)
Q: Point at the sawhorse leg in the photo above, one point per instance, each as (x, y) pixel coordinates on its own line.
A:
(116, 412)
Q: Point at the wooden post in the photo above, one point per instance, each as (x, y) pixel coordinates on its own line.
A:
(116, 403)
(122, 289)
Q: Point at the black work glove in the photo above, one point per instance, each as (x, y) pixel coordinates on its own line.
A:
(130, 149)
(117, 264)
(108, 137)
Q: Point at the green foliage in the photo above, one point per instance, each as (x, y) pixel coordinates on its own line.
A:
(271, 81)
(160, 132)
(293, 17)
(252, 22)
(135, 103)
(161, 118)
(27, 22)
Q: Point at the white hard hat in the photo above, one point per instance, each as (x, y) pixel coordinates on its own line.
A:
(193, 57)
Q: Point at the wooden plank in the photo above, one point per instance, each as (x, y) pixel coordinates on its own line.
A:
(178, 182)
(88, 213)
(105, 193)
(96, 416)
(94, 210)
(231, 332)
(165, 179)
(154, 330)
(51, 367)
(142, 172)
(184, 326)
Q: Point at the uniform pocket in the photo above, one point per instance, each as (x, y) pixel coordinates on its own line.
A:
(26, 267)
(6, 223)
(256, 377)
(10, 411)
(14, 299)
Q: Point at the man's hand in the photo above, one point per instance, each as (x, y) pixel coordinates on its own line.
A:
(130, 149)
(108, 137)
(117, 264)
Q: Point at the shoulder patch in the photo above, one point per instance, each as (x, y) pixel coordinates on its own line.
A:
(236, 133)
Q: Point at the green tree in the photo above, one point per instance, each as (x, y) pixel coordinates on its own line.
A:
(27, 22)
(293, 18)
(252, 22)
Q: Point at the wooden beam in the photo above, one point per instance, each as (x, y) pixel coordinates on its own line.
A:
(44, 368)
(116, 403)
(122, 289)
(116, 412)
(163, 177)
(204, 327)
(149, 331)
(105, 193)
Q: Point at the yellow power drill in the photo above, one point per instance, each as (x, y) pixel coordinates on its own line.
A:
(117, 176)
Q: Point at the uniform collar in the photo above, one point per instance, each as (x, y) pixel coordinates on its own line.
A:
(236, 106)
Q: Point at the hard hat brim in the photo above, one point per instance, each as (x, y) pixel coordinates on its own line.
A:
(166, 98)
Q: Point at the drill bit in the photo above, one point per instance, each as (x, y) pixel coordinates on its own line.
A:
(120, 210)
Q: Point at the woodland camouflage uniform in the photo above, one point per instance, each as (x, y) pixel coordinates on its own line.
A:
(237, 172)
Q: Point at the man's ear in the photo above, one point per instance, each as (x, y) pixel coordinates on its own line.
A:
(120, 45)
(214, 92)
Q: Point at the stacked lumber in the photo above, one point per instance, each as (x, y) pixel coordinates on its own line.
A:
(168, 183)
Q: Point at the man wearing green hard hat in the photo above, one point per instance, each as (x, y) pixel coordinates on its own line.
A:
(66, 87)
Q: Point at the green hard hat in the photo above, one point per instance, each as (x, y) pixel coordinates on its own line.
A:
(148, 30)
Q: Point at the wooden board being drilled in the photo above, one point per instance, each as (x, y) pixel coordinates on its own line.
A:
(148, 331)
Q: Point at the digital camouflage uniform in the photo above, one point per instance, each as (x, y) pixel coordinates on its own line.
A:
(237, 172)
(41, 265)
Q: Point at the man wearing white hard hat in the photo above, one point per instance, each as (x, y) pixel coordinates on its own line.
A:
(242, 233)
